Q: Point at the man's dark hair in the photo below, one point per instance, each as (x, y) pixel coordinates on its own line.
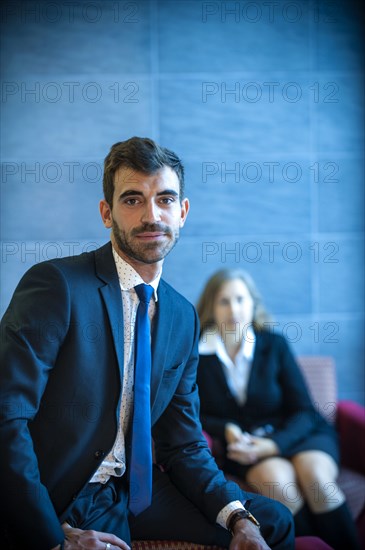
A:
(141, 155)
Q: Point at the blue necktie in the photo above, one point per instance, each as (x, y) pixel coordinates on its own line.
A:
(141, 455)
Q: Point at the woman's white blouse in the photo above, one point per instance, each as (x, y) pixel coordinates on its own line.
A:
(237, 372)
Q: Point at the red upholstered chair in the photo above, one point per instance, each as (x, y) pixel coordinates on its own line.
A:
(306, 543)
(169, 545)
(301, 543)
(349, 418)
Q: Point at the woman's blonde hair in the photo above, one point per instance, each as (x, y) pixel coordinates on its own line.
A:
(205, 305)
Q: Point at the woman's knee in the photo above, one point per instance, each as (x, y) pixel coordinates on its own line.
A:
(276, 479)
(271, 475)
(317, 473)
(315, 466)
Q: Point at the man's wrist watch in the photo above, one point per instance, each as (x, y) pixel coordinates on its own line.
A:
(240, 514)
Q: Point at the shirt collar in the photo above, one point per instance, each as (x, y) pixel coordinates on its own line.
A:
(129, 278)
(211, 344)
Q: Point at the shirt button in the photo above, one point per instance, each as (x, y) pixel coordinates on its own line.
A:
(98, 454)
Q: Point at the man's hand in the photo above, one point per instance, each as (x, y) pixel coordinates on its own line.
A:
(77, 539)
(247, 537)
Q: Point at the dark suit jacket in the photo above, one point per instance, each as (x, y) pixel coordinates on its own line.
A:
(61, 372)
(277, 395)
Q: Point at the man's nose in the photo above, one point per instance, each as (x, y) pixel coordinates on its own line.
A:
(151, 213)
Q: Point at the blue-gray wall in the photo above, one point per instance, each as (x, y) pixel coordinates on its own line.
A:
(263, 101)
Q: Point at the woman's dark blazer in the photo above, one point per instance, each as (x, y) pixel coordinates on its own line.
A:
(276, 395)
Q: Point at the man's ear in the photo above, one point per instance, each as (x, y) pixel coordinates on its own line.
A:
(106, 214)
(185, 205)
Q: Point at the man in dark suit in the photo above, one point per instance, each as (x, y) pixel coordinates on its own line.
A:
(67, 394)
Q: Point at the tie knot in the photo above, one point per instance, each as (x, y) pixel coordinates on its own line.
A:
(144, 292)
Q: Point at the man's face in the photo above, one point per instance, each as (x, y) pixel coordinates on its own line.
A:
(147, 214)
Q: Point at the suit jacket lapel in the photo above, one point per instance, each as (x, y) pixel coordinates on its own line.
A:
(162, 324)
(111, 295)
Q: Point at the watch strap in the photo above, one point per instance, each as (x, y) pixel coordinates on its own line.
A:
(240, 514)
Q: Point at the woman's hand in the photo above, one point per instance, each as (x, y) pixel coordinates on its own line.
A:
(248, 449)
(232, 432)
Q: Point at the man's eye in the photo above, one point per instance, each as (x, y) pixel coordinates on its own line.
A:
(131, 202)
(167, 200)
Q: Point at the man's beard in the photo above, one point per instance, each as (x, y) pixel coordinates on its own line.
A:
(148, 253)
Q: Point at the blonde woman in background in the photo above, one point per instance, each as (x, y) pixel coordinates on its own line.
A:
(254, 399)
